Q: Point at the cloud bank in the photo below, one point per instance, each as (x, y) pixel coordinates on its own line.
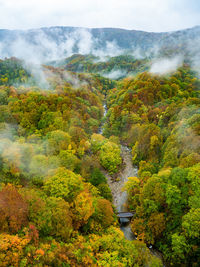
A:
(38, 47)
(148, 15)
(166, 65)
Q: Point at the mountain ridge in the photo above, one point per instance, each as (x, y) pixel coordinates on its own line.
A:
(50, 43)
(102, 28)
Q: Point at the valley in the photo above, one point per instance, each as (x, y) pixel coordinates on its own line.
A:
(84, 136)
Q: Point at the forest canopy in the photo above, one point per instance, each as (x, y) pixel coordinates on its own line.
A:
(55, 203)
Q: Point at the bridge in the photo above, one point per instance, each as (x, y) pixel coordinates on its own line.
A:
(125, 217)
(125, 214)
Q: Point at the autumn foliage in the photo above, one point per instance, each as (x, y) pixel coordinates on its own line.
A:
(55, 203)
(13, 210)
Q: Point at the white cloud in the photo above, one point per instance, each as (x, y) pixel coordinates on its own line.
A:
(115, 74)
(166, 65)
(43, 48)
(150, 15)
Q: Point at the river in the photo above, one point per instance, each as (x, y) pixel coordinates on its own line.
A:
(120, 197)
(116, 184)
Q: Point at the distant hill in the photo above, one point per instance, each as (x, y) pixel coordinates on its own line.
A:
(58, 42)
(111, 67)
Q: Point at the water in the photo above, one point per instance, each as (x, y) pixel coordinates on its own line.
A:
(104, 115)
(129, 171)
(120, 197)
(128, 234)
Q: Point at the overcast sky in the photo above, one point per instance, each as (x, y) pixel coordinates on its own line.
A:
(147, 15)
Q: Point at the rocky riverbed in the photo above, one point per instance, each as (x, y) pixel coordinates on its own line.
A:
(116, 185)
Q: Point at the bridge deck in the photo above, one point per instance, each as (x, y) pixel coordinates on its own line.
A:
(125, 215)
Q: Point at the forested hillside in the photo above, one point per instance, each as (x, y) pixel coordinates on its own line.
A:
(112, 67)
(55, 203)
(158, 118)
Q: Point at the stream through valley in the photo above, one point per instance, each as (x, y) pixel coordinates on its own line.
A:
(116, 185)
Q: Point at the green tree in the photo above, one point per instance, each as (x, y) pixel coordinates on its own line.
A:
(110, 157)
(65, 184)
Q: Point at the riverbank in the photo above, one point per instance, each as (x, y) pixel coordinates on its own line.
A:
(120, 197)
(116, 184)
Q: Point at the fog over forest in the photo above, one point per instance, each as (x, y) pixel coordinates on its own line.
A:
(99, 133)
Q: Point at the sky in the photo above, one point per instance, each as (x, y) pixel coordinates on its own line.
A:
(146, 15)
